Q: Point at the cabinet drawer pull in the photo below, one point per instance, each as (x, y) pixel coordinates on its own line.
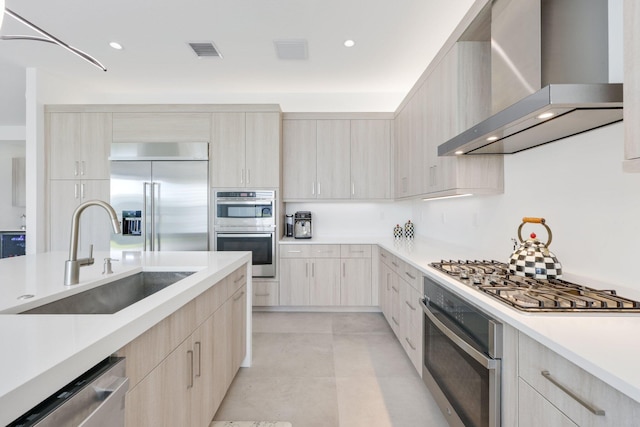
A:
(383, 255)
(592, 408)
(239, 296)
(190, 356)
(75, 168)
(410, 343)
(357, 252)
(263, 295)
(394, 289)
(318, 188)
(410, 276)
(395, 321)
(395, 264)
(313, 269)
(197, 346)
(239, 279)
(242, 176)
(294, 252)
(82, 168)
(248, 176)
(410, 306)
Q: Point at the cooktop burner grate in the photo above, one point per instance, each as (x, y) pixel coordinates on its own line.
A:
(527, 294)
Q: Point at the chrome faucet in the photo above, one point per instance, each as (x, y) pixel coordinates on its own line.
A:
(73, 264)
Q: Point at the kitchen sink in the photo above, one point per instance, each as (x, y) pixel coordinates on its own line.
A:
(113, 296)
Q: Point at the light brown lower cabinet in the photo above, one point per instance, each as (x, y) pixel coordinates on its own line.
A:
(555, 392)
(399, 299)
(180, 369)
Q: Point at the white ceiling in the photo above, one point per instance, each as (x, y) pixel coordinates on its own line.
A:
(395, 40)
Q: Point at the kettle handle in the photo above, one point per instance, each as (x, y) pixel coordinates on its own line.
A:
(535, 221)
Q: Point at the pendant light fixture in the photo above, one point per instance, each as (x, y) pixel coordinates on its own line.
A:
(46, 37)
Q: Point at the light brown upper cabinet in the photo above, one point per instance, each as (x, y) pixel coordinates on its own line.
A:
(335, 157)
(370, 159)
(631, 86)
(245, 149)
(79, 145)
(452, 96)
(316, 159)
(160, 127)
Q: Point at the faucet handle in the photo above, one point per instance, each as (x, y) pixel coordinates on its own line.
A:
(91, 253)
(107, 265)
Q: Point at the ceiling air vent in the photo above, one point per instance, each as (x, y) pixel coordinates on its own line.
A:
(205, 50)
(291, 49)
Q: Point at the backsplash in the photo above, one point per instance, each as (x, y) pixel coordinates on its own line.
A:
(591, 206)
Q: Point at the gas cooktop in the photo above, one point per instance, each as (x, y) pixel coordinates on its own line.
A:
(534, 295)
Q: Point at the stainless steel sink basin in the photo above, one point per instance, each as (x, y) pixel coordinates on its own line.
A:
(113, 296)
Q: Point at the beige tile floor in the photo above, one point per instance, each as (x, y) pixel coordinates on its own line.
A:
(329, 370)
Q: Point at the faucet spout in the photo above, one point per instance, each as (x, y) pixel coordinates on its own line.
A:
(73, 264)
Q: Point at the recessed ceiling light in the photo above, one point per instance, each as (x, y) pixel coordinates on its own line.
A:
(459, 152)
(545, 115)
(492, 138)
(349, 43)
(116, 45)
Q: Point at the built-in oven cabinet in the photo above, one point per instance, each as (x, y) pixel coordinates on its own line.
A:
(554, 391)
(266, 292)
(245, 149)
(325, 275)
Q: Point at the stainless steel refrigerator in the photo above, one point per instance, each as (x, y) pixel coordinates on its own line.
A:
(160, 192)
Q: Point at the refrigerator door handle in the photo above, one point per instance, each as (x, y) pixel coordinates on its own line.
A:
(145, 204)
(155, 194)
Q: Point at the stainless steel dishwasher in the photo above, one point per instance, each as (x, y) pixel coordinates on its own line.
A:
(95, 399)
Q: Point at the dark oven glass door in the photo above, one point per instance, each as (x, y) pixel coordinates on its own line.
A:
(469, 379)
(244, 209)
(261, 246)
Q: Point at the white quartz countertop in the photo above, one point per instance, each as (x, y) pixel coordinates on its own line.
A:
(42, 353)
(603, 344)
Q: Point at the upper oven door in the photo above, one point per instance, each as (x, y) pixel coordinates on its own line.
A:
(244, 212)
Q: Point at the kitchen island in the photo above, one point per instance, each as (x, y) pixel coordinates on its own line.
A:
(42, 353)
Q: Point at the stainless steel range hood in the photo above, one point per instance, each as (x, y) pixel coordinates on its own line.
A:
(573, 109)
(550, 76)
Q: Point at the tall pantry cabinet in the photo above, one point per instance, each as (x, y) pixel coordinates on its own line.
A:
(78, 144)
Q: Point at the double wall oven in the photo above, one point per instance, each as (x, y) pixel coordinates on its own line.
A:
(245, 220)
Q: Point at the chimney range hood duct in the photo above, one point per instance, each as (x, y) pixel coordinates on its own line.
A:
(572, 63)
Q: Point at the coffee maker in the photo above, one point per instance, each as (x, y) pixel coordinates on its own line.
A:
(302, 225)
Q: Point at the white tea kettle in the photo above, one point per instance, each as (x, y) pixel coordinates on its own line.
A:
(533, 258)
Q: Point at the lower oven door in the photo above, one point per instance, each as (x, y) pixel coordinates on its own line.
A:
(464, 381)
(261, 245)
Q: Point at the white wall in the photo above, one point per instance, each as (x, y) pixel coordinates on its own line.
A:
(9, 214)
(353, 218)
(577, 184)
